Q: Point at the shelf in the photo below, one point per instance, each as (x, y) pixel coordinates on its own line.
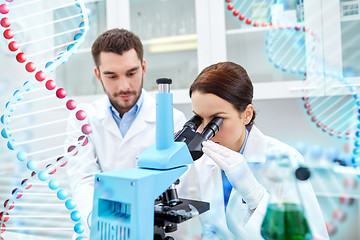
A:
(336, 195)
(262, 91)
(350, 18)
(247, 30)
(280, 90)
(180, 96)
(254, 29)
(172, 43)
(346, 170)
(92, 1)
(170, 39)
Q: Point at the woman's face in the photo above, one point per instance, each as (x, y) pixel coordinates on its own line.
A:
(232, 132)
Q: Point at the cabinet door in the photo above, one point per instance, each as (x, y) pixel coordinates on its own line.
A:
(168, 32)
(278, 57)
(341, 20)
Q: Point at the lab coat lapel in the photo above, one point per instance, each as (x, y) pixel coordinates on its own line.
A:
(256, 145)
(211, 179)
(147, 114)
(109, 123)
(213, 193)
(254, 152)
(217, 200)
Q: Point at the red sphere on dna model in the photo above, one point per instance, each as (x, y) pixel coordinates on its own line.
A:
(80, 115)
(30, 67)
(50, 85)
(40, 76)
(61, 93)
(21, 57)
(8, 34)
(4, 8)
(5, 22)
(86, 129)
(13, 46)
(71, 104)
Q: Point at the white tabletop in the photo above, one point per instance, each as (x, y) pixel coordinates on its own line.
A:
(20, 236)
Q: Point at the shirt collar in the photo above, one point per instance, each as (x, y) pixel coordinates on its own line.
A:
(136, 108)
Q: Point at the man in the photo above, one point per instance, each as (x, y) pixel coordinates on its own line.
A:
(123, 122)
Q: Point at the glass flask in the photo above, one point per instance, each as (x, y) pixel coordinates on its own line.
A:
(285, 218)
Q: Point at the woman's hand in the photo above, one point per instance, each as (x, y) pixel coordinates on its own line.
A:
(237, 171)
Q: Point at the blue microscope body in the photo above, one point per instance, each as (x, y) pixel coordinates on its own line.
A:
(123, 206)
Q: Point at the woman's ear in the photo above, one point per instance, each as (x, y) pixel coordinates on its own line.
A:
(248, 113)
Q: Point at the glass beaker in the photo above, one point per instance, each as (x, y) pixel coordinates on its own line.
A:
(285, 217)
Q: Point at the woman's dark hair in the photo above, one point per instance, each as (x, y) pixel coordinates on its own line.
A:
(117, 41)
(228, 81)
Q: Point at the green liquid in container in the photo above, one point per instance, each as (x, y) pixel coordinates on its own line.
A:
(285, 221)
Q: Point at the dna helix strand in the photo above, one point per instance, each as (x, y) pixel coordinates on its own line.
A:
(285, 42)
(42, 212)
(330, 113)
(42, 35)
(337, 113)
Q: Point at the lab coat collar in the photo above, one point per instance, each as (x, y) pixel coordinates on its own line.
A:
(147, 113)
(256, 145)
(103, 112)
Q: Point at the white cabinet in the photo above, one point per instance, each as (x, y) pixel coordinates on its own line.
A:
(341, 31)
(277, 56)
(168, 32)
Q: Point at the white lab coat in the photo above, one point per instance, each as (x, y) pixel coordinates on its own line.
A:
(239, 222)
(107, 149)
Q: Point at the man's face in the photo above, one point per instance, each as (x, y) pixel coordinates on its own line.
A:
(122, 78)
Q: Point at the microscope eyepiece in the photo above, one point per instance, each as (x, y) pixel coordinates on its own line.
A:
(194, 123)
(163, 81)
(212, 128)
(193, 139)
(190, 127)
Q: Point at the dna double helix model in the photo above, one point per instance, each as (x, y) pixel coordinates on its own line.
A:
(285, 46)
(41, 35)
(292, 47)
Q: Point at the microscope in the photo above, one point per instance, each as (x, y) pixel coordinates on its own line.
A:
(142, 203)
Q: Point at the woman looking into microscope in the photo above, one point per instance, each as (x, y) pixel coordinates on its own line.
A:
(225, 90)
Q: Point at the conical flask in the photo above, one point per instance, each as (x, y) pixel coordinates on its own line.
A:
(285, 217)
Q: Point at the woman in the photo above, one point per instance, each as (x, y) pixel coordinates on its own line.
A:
(225, 90)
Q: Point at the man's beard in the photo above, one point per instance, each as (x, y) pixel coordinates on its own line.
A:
(129, 105)
(125, 106)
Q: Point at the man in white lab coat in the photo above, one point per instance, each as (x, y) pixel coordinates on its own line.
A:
(123, 122)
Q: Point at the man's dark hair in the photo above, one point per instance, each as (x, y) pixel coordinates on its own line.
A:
(117, 41)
